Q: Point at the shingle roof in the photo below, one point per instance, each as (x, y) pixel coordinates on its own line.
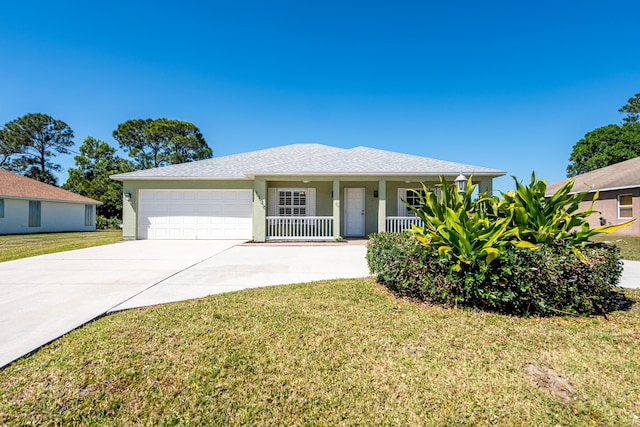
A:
(620, 175)
(21, 187)
(310, 160)
(234, 166)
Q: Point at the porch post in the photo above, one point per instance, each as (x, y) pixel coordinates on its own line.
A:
(382, 206)
(259, 210)
(336, 208)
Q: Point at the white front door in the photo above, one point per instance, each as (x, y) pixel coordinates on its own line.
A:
(354, 211)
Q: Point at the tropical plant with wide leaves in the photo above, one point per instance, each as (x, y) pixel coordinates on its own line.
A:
(465, 230)
(554, 220)
(458, 227)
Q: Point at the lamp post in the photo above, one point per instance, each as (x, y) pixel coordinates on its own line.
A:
(461, 182)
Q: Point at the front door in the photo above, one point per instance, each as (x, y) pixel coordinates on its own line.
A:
(354, 211)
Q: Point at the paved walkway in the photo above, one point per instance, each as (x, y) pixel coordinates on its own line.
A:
(631, 275)
(253, 266)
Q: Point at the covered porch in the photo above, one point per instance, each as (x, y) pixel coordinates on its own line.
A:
(327, 209)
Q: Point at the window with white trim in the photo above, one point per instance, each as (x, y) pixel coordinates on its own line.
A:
(35, 213)
(413, 199)
(625, 206)
(408, 195)
(1, 208)
(292, 202)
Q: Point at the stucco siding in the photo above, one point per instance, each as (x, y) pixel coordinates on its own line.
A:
(130, 207)
(324, 201)
(607, 205)
(55, 217)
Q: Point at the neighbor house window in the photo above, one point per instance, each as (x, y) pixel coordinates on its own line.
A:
(35, 213)
(1, 208)
(625, 208)
(292, 202)
(88, 215)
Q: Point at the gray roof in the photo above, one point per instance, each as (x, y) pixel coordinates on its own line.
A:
(617, 176)
(310, 160)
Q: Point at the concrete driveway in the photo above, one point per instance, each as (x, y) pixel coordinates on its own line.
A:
(44, 297)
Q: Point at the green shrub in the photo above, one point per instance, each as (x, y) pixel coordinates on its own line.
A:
(103, 223)
(549, 281)
(522, 253)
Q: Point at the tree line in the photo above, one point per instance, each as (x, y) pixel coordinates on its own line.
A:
(29, 145)
(608, 144)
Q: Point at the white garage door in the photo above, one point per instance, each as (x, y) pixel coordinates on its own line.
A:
(195, 214)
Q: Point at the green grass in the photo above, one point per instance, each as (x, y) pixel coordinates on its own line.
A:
(340, 352)
(26, 245)
(629, 245)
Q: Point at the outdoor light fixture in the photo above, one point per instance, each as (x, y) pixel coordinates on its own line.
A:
(127, 197)
(461, 182)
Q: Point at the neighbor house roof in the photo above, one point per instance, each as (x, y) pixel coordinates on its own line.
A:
(617, 176)
(15, 186)
(310, 160)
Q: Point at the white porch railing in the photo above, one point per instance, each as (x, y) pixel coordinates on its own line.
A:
(397, 224)
(299, 228)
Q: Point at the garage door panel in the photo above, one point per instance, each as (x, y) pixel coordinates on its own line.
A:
(197, 214)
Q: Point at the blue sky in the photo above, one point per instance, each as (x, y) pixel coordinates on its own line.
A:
(503, 84)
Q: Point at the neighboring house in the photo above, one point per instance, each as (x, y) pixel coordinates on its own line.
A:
(619, 198)
(30, 206)
(299, 191)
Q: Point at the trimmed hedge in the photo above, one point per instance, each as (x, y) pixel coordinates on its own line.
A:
(547, 281)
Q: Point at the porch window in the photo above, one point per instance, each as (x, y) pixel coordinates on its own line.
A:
(414, 200)
(408, 195)
(625, 206)
(292, 202)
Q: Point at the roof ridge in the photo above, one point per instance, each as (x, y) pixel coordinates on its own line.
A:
(302, 155)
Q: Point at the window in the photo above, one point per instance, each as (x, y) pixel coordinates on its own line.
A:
(88, 215)
(408, 195)
(625, 207)
(413, 199)
(292, 203)
(1, 208)
(35, 212)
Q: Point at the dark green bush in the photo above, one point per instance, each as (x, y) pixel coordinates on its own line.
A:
(550, 280)
(104, 223)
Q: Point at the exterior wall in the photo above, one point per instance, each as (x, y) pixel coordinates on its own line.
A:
(607, 205)
(325, 201)
(323, 193)
(370, 206)
(130, 207)
(392, 192)
(55, 217)
(324, 197)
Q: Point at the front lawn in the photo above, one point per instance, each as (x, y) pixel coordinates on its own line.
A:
(17, 246)
(340, 352)
(629, 245)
